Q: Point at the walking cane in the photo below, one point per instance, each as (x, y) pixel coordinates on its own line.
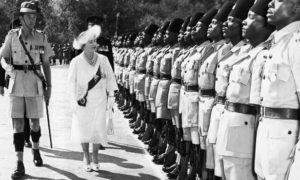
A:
(49, 129)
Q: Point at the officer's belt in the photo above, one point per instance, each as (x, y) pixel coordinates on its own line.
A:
(157, 76)
(165, 76)
(220, 99)
(27, 67)
(240, 108)
(280, 113)
(122, 65)
(178, 81)
(208, 92)
(191, 88)
(142, 71)
(126, 65)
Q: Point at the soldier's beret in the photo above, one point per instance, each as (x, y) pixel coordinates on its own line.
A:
(241, 8)
(195, 19)
(260, 7)
(29, 7)
(164, 27)
(175, 25)
(185, 23)
(224, 11)
(208, 16)
(151, 29)
(95, 20)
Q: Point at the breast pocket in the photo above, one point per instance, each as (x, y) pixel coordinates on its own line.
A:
(279, 72)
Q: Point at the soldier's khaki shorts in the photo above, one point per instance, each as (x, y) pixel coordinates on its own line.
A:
(190, 109)
(152, 93)
(161, 100)
(147, 90)
(205, 108)
(32, 106)
(173, 96)
(238, 168)
(275, 141)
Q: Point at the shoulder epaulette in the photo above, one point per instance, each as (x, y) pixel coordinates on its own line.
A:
(14, 31)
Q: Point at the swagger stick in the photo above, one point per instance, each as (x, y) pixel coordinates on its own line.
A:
(49, 129)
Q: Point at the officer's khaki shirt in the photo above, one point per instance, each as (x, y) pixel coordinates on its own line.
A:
(239, 88)
(281, 74)
(206, 75)
(224, 67)
(26, 83)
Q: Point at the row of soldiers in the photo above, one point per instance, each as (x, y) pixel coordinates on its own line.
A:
(216, 95)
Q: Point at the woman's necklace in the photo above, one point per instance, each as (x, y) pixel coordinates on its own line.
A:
(90, 59)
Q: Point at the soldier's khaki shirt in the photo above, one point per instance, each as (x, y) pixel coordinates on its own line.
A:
(26, 84)
(206, 75)
(224, 67)
(176, 66)
(281, 74)
(238, 90)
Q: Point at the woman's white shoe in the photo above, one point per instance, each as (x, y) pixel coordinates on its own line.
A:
(95, 167)
(87, 167)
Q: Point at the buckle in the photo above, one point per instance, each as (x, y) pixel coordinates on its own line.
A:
(262, 111)
(25, 68)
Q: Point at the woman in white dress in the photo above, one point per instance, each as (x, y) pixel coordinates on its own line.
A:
(89, 105)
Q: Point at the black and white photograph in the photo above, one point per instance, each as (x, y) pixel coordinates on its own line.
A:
(150, 89)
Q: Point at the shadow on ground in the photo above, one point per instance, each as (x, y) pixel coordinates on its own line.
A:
(78, 156)
(127, 148)
(114, 175)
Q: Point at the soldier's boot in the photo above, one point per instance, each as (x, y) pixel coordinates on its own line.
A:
(175, 172)
(169, 168)
(184, 161)
(154, 145)
(201, 163)
(148, 134)
(19, 171)
(170, 158)
(210, 174)
(140, 130)
(196, 162)
(176, 168)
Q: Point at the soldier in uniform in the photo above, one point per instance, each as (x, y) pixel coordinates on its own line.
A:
(140, 78)
(232, 30)
(173, 97)
(105, 46)
(26, 87)
(2, 80)
(238, 119)
(206, 81)
(167, 157)
(278, 128)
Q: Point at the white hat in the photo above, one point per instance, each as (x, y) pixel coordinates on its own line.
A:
(92, 33)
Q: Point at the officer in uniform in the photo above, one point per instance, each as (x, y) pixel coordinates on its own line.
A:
(105, 46)
(162, 112)
(238, 119)
(232, 31)
(206, 81)
(278, 128)
(26, 87)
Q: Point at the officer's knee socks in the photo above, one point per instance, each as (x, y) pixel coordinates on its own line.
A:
(35, 136)
(19, 142)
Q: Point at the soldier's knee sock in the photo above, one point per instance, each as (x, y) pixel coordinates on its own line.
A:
(19, 142)
(35, 136)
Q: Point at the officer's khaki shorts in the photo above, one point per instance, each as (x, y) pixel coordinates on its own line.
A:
(32, 106)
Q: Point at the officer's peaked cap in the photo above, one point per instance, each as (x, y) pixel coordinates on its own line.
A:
(208, 16)
(241, 8)
(195, 19)
(164, 27)
(29, 7)
(151, 29)
(224, 11)
(260, 7)
(175, 25)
